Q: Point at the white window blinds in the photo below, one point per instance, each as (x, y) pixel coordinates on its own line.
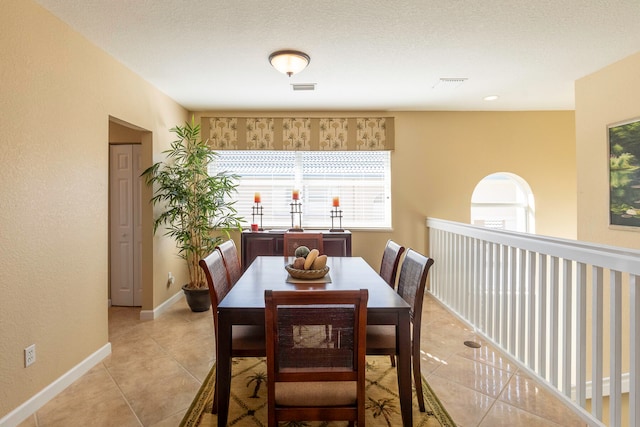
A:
(361, 179)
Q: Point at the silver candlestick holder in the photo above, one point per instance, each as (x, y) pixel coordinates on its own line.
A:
(256, 211)
(336, 214)
(296, 213)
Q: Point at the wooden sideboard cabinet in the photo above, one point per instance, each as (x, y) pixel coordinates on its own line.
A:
(258, 243)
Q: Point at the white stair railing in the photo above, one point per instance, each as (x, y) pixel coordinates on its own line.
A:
(567, 311)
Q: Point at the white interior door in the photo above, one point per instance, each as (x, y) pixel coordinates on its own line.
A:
(125, 220)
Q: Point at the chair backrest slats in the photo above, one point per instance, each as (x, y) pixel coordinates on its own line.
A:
(412, 281)
(292, 240)
(390, 262)
(217, 280)
(298, 349)
(231, 260)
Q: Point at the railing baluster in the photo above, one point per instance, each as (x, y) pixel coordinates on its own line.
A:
(522, 303)
(497, 289)
(475, 292)
(448, 270)
(597, 342)
(502, 299)
(581, 333)
(541, 304)
(444, 292)
(455, 268)
(488, 306)
(634, 348)
(531, 310)
(468, 277)
(482, 288)
(445, 266)
(460, 294)
(567, 285)
(511, 327)
(553, 320)
(452, 270)
(615, 375)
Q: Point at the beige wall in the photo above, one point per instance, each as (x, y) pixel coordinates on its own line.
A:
(58, 93)
(608, 96)
(441, 156)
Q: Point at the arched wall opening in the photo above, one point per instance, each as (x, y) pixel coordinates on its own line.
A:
(504, 201)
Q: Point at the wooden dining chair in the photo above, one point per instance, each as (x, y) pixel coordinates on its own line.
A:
(246, 340)
(381, 339)
(310, 379)
(390, 262)
(293, 239)
(231, 260)
(389, 270)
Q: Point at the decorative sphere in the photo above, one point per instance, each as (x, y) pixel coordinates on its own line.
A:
(302, 251)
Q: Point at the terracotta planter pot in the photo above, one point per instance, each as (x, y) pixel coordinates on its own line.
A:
(198, 299)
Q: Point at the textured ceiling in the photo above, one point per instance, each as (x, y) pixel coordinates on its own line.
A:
(365, 55)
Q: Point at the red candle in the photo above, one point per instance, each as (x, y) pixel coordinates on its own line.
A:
(295, 194)
(256, 198)
(336, 202)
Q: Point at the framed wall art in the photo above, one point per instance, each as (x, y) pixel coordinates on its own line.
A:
(624, 173)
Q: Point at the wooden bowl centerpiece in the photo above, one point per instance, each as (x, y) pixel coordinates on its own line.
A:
(306, 274)
(309, 264)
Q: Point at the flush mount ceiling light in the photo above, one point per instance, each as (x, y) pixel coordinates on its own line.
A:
(490, 98)
(289, 62)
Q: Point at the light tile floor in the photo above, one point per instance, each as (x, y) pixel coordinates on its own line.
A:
(156, 367)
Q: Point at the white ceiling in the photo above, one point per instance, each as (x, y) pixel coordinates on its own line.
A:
(365, 55)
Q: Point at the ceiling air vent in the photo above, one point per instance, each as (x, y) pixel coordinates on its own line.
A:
(303, 86)
(449, 82)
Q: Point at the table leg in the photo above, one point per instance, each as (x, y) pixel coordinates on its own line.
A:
(223, 368)
(404, 367)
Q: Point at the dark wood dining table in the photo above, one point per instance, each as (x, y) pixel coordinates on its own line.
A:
(244, 305)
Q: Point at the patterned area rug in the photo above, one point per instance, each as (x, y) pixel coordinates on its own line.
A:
(248, 404)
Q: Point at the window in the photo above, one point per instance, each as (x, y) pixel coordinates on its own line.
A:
(503, 201)
(360, 179)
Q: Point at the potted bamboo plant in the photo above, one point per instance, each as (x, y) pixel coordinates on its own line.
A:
(196, 208)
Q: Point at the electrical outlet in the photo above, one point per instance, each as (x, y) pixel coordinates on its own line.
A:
(29, 355)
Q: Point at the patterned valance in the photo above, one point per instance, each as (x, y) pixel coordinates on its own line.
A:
(299, 133)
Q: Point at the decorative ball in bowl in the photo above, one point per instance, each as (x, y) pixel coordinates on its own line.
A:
(306, 274)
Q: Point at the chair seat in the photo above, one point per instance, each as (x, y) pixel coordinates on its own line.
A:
(248, 337)
(333, 393)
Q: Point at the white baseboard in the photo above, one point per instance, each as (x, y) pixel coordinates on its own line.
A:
(152, 314)
(36, 402)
